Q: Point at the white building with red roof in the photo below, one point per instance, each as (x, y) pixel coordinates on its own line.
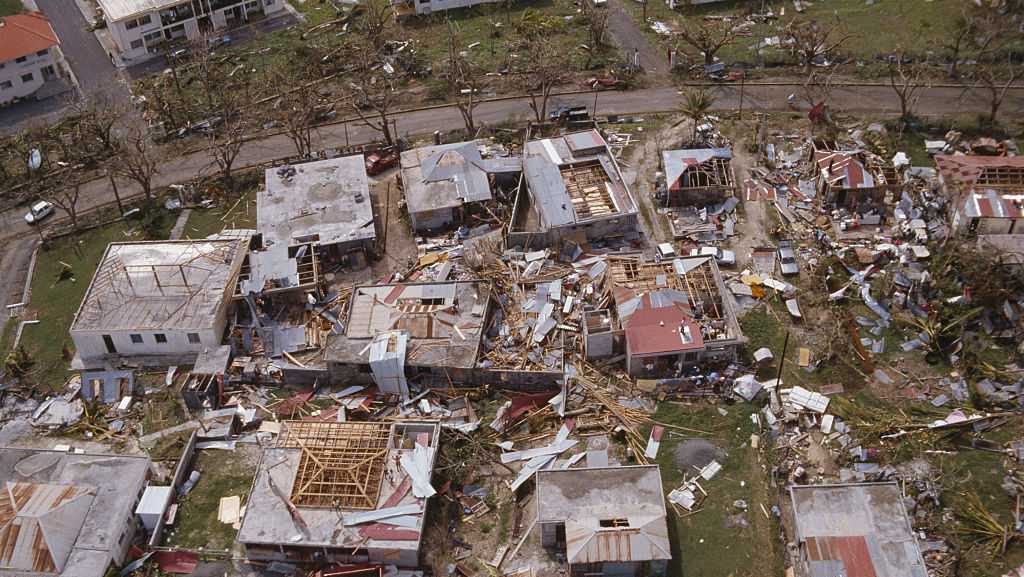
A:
(28, 55)
(986, 193)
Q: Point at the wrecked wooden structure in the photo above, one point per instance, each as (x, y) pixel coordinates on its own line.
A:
(697, 177)
(571, 189)
(329, 492)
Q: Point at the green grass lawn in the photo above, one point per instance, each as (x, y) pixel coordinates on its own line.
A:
(7, 336)
(204, 222)
(223, 474)
(916, 25)
(704, 543)
(8, 7)
(56, 302)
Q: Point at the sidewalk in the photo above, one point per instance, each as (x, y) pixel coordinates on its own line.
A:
(102, 34)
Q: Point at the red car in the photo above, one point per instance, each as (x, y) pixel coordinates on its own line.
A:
(378, 162)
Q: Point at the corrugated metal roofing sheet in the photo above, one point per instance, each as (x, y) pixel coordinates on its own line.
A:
(39, 525)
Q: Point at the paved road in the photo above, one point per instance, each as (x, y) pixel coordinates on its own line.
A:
(872, 99)
(88, 60)
(13, 269)
(631, 37)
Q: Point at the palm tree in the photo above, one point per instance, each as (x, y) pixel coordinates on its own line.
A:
(695, 108)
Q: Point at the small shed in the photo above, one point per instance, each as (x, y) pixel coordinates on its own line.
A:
(152, 506)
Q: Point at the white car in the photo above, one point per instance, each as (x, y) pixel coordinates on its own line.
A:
(787, 258)
(39, 211)
(723, 257)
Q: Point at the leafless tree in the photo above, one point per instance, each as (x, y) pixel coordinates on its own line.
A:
(374, 96)
(298, 110)
(996, 80)
(97, 116)
(707, 37)
(466, 80)
(907, 81)
(809, 39)
(377, 15)
(137, 160)
(65, 197)
(225, 144)
(958, 39)
(597, 24)
(546, 67)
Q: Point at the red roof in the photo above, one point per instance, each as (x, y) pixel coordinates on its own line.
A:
(965, 169)
(659, 330)
(852, 551)
(24, 34)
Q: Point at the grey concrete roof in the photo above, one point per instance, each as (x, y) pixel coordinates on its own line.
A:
(160, 285)
(116, 481)
(543, 163)
(605, 493)
(858, 525)
(433, 339)
(444, 176)
(326, 202)
(585, 500)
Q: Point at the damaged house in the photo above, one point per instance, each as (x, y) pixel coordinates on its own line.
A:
(446, 184)
(853, 180)
(397, 332)
(574, 191)
(603, 520)
(854, 529)
(353, 492)
(67, 514)
(697, 177)
(156, 303)
(985, 193)
(309, 213)
(673, 314)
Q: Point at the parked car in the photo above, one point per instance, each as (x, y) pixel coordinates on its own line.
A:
(570, 113)
(787, 258)
(378, 162)
(666, 251)
(39, 211)
(722, 257)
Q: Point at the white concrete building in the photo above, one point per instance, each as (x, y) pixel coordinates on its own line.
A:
(417, 7)
(156, 303)
(141, 28)
(28, 55)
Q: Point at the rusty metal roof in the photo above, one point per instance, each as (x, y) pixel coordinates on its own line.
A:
(39, 525)
(862, 527)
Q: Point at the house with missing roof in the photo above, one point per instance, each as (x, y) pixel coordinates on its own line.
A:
(572, 189)
(697, 177)
(673, 314)
(398, 332)
(29, 55)
(156, 303)
(854, 529)
(342, 492)
(141, 29)
(853, 180)
(67, 514)
(985, 193)
(308, 214)
(446, 184)
(602, 521)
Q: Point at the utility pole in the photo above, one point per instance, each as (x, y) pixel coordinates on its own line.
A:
(743, 78)
(782, 363)
(117, 197)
